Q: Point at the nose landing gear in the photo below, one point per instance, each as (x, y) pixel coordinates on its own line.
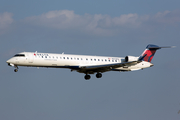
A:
(16, 68)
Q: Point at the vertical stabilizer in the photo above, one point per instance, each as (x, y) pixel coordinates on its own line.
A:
(149, 52)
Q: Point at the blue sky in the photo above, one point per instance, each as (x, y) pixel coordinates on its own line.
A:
(113, 8)
(107, 28)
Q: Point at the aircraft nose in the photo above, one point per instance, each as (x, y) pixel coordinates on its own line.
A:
(9, 62)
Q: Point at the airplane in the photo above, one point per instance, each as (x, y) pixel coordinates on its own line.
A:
(84, 63)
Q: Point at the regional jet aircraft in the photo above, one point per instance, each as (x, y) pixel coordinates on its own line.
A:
(84, 63)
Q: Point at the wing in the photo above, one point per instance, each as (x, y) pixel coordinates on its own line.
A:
(103, 68)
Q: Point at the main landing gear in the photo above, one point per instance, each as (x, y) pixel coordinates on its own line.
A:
(87, 77)
(98, 75)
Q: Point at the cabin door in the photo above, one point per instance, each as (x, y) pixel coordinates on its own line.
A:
(30, 57)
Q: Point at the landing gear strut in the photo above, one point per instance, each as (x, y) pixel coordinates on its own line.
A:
(16, 68)
(98, 75)
(87, 77)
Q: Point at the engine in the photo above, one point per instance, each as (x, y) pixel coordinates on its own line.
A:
(131, 58)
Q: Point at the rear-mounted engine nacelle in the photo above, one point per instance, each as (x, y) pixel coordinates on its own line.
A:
(131, 58)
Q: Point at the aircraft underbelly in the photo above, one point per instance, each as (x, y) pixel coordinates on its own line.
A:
(137, 66)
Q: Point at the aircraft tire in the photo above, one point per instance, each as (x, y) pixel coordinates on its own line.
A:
(87, 77)
(98, 75)
(15, 70)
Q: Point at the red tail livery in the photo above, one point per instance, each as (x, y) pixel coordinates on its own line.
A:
(148, 54)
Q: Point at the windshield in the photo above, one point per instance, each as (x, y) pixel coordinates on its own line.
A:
(19, 55)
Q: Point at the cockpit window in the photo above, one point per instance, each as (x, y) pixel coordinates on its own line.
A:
(19, 55)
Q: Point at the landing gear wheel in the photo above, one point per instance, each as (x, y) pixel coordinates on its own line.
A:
(15, 70)
(98, 75)
(87, 77)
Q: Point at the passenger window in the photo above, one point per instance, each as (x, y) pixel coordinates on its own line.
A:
(64, 57)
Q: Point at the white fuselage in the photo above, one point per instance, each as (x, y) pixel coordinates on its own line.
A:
(70, 61)
(84, 63)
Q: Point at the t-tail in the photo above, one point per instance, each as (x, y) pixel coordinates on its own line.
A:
(150, 51)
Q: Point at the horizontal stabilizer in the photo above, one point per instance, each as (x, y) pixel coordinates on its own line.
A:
(155, 47)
